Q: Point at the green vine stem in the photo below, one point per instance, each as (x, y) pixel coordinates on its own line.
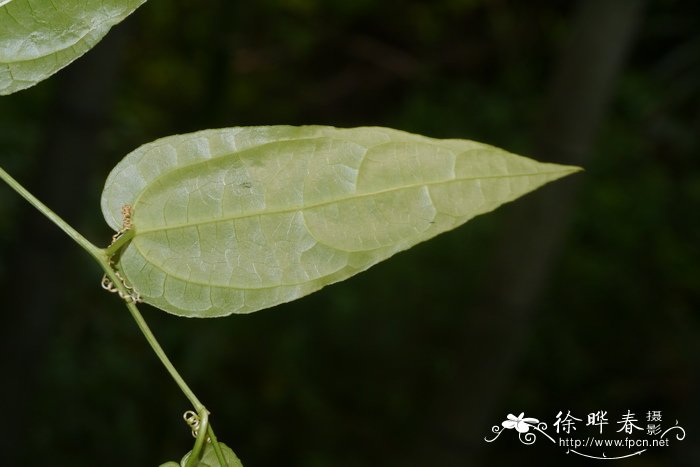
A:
(120, 242)
(196, 453)
(217, 448)
(93, 250)
(102, 256)
(141, 323)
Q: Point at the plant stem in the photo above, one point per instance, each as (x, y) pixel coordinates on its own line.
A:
(217, 448)
(201, 439)
(95, 251)
(141, 323)
(117, 244)
(102, 258)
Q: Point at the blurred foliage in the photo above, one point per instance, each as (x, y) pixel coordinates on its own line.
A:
(347, 376)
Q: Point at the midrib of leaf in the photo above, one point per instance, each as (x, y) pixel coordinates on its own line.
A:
(340, 200)
(174, 274)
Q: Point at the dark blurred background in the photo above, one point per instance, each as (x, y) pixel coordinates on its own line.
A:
(583, 296)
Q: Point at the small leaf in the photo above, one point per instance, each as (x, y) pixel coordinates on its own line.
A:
(39, 37)
(209, 458)
(170, 464)
(240, 219)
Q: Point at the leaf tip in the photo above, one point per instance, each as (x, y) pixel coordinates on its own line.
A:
(566, 170)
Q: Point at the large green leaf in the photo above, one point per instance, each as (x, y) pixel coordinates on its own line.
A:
(39, 37)
(240, 219)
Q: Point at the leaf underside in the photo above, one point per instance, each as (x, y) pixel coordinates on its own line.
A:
(240, 219)
(39, 37)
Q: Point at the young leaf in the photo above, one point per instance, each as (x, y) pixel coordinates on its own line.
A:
(240, 219)
(39, 37)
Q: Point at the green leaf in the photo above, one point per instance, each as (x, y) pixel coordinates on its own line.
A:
(39, 37)
(209, 458)
(170, 464)
(240, 219)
